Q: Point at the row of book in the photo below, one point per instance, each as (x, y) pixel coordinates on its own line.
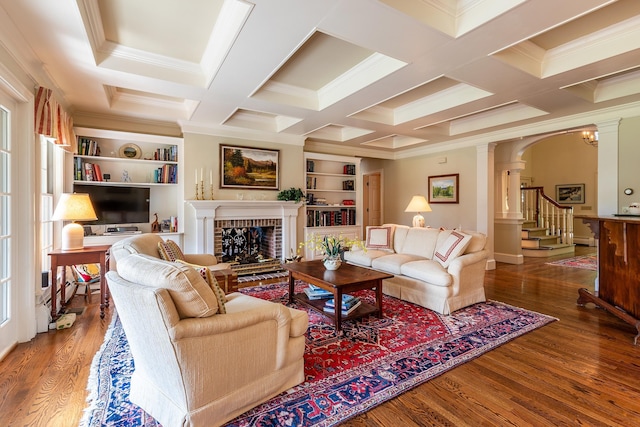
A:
(166, 174)
(166, 154)
(316, 218)
(348, 169)
(88, 147)
(85, 171)
(349, 302)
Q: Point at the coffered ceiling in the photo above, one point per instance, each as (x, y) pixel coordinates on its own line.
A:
(386, 77)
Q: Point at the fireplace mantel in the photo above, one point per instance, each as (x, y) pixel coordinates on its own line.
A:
(208, 211)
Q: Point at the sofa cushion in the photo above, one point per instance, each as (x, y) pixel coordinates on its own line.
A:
(420, 241)
(477, 243)
(190, 293)
(170, 251)
(451, 246)
(380, 238)
(363, 258)
(391, 263)
(429, 271)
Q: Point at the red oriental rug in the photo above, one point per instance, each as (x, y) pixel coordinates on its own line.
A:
(375, 360)
(587, 262)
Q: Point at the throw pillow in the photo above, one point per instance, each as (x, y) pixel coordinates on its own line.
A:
(453, 246)
(170, 251)
(189, 292)
(379, 238)
(206, 274)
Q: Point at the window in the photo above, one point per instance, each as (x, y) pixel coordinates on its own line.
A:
(5, 218)
(46, 201)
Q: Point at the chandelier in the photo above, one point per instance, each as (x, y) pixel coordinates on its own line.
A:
(590, 138)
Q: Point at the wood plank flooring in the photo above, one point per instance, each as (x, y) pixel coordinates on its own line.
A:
(581, 370)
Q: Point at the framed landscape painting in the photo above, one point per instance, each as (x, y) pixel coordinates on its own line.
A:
(249, 168)
(443, 188)
(570, 193)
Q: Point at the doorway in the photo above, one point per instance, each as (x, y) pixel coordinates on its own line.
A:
(372, 199)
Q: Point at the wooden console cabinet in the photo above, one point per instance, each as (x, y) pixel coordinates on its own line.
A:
(618, 288)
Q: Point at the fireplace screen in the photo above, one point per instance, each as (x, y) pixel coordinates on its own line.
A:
(245, 244)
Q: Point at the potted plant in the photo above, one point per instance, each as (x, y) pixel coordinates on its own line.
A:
(295, 194)
(332, 248)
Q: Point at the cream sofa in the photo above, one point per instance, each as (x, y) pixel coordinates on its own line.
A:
(193, 365)
(442, 270)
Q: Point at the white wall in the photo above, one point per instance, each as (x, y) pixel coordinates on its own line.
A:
(405, 178)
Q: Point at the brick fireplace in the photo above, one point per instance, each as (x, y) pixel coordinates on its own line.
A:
(212, 215)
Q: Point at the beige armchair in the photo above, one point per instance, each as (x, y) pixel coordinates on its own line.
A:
(147, 244)
(195, 368)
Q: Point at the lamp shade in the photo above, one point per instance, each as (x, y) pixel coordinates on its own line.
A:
(418, 204)
(73, 207)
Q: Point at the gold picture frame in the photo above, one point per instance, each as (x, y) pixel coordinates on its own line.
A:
(130, 151)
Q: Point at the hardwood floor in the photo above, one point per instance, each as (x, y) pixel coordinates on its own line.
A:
(581, 370)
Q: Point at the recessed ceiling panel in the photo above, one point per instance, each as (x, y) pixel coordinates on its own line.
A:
(145, 38)
(151, 25)
(323, 71)
(260, 120)
(432, 97)
(394, 142)
(134, 100)
(338, 133)
(453, 17)
(608, 87)
(604, 33)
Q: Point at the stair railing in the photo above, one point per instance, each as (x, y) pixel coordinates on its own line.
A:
(547, 213)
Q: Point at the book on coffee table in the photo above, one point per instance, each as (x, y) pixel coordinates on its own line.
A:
(347, 302)
(315, 292)
(343, 312)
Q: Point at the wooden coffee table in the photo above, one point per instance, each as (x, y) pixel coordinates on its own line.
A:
(347, 278)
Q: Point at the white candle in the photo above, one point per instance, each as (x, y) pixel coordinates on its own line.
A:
(196, 178)
(200, 174)
(211, 177)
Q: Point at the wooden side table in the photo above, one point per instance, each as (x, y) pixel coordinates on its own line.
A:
(86, 255)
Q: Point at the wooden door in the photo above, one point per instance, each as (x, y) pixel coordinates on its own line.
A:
(372, 199)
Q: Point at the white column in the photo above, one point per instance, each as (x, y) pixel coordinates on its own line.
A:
(608, 167)
(485, 208)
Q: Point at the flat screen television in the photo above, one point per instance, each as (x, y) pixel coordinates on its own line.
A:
(117, 204)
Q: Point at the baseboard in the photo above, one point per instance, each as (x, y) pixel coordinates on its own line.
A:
(509, 258)
(587, 241)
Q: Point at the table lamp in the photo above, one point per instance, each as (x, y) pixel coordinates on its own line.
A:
(73, 207)
(418, 204)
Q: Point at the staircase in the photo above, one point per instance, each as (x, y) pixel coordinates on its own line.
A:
(547, 229)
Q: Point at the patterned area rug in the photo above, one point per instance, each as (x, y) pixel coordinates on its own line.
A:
(587, 262)
(375, 360)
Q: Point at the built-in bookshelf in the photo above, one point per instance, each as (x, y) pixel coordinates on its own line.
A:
(114, 158)
(101, 159)
(334, 197)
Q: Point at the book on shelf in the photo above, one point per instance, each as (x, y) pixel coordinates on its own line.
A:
(348, 301)
(344, 313)
(349, 169)
(314, 292)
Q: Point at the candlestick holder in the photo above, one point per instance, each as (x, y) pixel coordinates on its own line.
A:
(197, 192)
(201, 190)
(211, 191)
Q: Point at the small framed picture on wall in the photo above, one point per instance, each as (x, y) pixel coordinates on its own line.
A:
(443, 188)
(570, 194)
